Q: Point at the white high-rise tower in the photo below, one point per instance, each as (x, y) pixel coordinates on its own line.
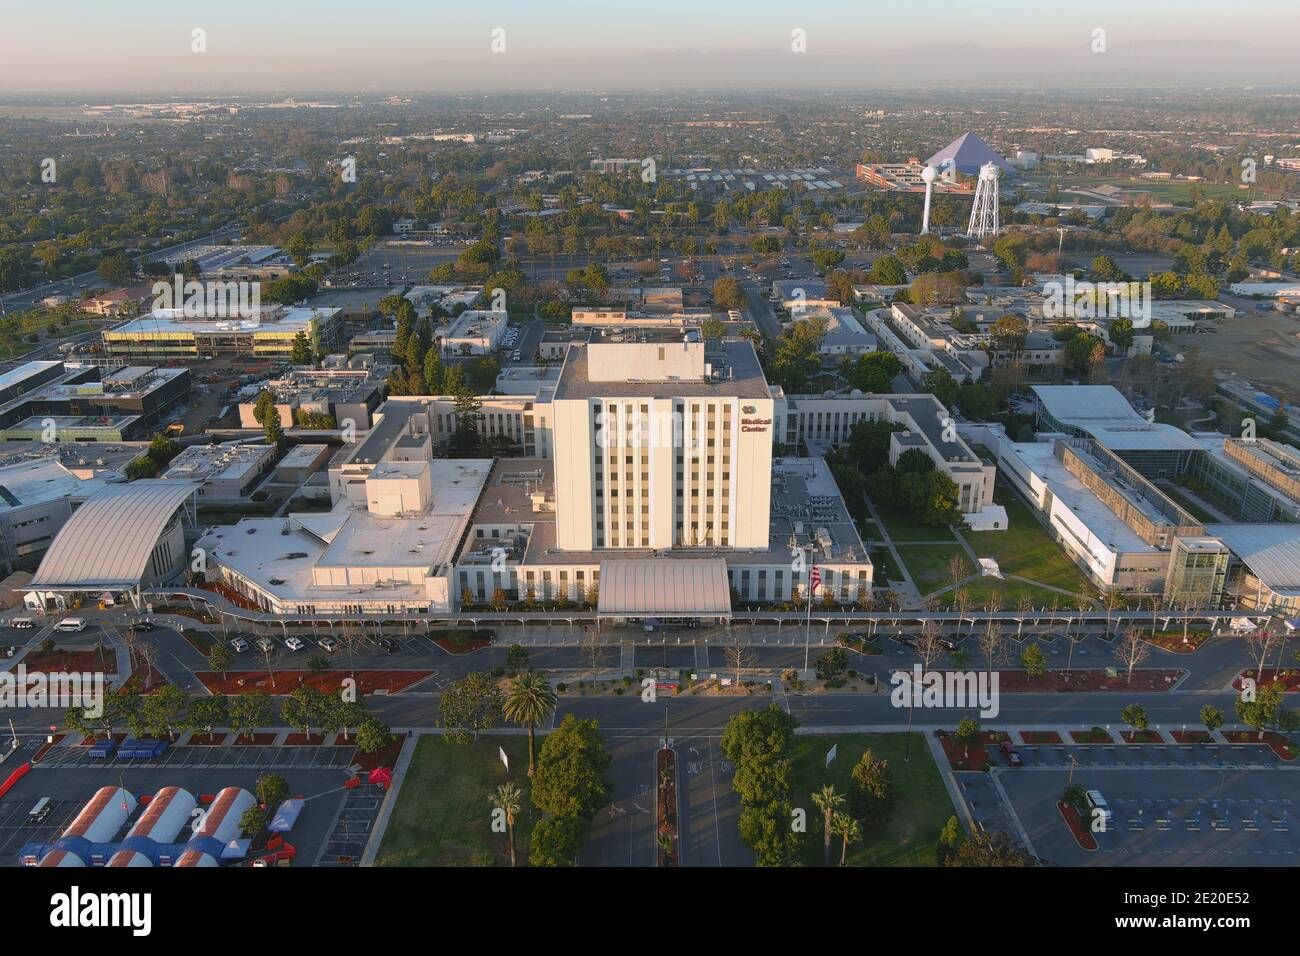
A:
(984, 211)
(928, 176)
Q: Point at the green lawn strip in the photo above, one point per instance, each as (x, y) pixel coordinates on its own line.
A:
(921, 802)
(1196, 511)
(1026, 549)
(443, 817)
(928, 563)
(1010, 592)
(903, 527)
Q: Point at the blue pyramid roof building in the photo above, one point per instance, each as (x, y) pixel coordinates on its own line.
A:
(968, 153)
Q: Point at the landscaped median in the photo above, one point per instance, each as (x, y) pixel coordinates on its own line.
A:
(1173, 640)
(1280, 744)
(1288, 677)
(285, 682)
(1078, 828)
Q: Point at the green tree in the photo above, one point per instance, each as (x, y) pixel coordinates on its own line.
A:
(571, 779)
(845, 827)
(828, 802)
(555, 841)
(508, 800)
(988, 849)
(757, 743)
(1034, 661)
(208, 713)
(1211, 717)
(271, 790)
(373, 735)
(1135, 715)
(303, 709)
(301, 353)
(530, 702)
(470, 705)
(727, 293)
(220, 658)
(872, 798)
(249, 713)
(272, 429)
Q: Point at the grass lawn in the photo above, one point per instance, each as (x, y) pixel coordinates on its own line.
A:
(1010, 592)
(883, 564)
(928, 563)
(1196, 511)
(903, 527)
(921, 802)
(443, 817)
(1026, 549)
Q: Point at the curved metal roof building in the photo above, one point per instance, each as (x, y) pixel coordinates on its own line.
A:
(109, 540)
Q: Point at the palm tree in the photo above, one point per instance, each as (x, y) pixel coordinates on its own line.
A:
(529, 702)
(827, 801)
(843, 825)
(508, 799)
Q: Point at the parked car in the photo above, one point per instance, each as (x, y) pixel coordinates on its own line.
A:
(1009, 751)
(328, 644)
(239, 645)
(1100, 808)
(142, 626)
(71, 625)
(388, 644)
(265, 644)
(294, 643)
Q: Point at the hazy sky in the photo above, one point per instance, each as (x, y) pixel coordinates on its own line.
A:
(102, 44)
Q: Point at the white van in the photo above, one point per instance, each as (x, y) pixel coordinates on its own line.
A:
(71, 624)
(38, 813)
(1100, 809)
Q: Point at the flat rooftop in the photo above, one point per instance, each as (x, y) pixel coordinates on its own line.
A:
(22, 373)
(273, 319)
(1087, 507)
(45, 479)
(737, 373)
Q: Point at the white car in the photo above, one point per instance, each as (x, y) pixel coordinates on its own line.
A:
(1100, 808)
(294, 643)
(239, 645)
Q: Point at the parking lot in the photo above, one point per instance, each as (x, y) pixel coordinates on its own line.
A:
(332, 829)
(1238, 818)
(207, 758)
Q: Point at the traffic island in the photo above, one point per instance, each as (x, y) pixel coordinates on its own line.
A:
(1078, 829)
(666, 831)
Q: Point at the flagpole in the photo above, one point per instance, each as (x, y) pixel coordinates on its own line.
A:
(807, 630)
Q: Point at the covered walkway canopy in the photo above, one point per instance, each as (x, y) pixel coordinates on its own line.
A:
(107, 543)
(664, 587)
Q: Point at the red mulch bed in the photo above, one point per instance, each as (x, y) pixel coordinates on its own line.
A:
(89, 741)
(144, 682)
(666, 763)
(1173, 640)
(462, 647)
(1281, 745)
(962, 757)
(1150, 680)
(286, 682)
(382, 758)
(1089, 737)
(1040, 736)
(255, 740)
(1078, 829)
(79, 662)
(1142, 737)
(1191, 736)
(1288, 677)
(304, 740)
(205, 740)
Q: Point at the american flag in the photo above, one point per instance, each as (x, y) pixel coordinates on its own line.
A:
(815, 580)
